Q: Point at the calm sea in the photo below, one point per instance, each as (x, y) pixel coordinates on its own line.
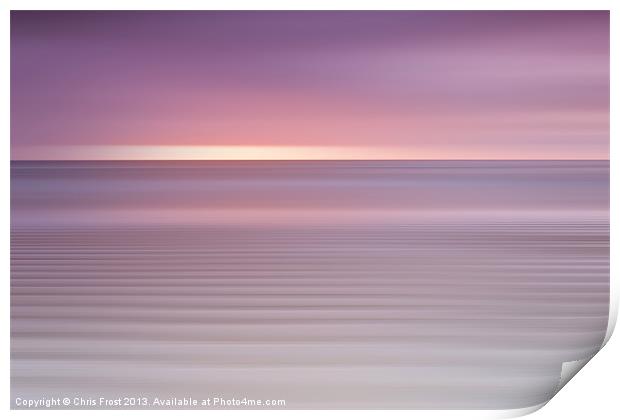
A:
(334, 284)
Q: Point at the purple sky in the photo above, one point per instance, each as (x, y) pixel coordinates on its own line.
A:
(324, 85)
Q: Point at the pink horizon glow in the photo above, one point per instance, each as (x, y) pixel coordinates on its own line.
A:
(309, 85)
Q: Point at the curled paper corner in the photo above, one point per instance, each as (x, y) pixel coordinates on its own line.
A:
(570, 369)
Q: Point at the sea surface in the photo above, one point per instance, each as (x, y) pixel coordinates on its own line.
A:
(333, 284)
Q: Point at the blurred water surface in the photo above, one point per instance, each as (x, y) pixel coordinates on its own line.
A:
(334, 284)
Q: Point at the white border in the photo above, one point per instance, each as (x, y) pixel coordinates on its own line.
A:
(595, 396)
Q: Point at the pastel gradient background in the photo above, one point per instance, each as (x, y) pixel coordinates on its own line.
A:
(339, 209)
(310, 85)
